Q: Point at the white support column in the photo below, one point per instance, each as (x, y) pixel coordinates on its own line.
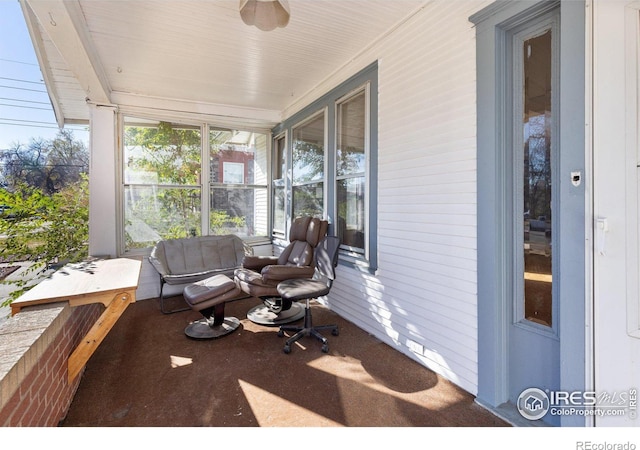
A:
(103, 182)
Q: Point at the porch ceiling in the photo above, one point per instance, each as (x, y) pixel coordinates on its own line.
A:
(197, 55)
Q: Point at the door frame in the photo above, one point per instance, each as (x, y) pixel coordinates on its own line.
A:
(494, 260)
(527, 369)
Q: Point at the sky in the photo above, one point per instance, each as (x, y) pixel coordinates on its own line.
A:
(25, 108)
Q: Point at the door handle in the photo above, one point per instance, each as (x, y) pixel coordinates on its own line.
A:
(602, 227)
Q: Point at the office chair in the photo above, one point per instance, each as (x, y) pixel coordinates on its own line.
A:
(326, 259)
(260, 275)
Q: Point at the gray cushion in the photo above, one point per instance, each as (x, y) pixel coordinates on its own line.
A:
(301, 289)
(211, 291)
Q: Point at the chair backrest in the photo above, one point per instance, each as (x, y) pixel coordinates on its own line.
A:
(197, 254)
(304, 236)
(326, 257)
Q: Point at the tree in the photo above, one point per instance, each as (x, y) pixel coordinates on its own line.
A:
(45, 214)
(43, 229)
(48, 165)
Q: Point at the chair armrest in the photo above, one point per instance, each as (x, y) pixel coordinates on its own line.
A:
(281, 273)
(257, 263)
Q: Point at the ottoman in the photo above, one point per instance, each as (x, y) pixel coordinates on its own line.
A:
(208, 297)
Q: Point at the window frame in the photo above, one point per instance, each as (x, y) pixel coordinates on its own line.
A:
(354, 252)
(284, 177)
(205, 184)
(366, 79)
(325, 132)
(141, 120)
(220, 184)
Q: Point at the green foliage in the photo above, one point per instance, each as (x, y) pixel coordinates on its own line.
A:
(43, 229)
(171, 153)
(220, 222)
(45, 206)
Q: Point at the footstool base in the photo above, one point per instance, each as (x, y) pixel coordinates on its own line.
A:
(201, 329)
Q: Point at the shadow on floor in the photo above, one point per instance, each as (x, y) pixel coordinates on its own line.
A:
(147, 373)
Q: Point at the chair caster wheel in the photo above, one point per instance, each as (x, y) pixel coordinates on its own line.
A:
(286, 349)
(325, 348)
(335, 332)
(280, 333)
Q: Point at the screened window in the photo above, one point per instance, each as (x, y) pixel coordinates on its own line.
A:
(162, 166)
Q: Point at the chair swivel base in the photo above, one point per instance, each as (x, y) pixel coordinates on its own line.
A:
(204, 328)
(307, 330)
(262, 315)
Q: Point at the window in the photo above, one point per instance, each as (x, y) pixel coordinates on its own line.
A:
(183, 180)
(333, 166)
(308, 167)
(161, 182)
(233, 173)
(238, 182)
(165, 181)
(351, 151)
(536, 135)
(278, 186)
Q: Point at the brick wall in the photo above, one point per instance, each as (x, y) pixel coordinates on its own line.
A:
(34, 347)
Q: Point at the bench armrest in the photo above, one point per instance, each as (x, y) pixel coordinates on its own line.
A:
(159, 266)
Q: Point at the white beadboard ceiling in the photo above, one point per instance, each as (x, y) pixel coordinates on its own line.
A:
(198, 55)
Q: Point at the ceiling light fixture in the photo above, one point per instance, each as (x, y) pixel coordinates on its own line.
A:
(265, 14)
